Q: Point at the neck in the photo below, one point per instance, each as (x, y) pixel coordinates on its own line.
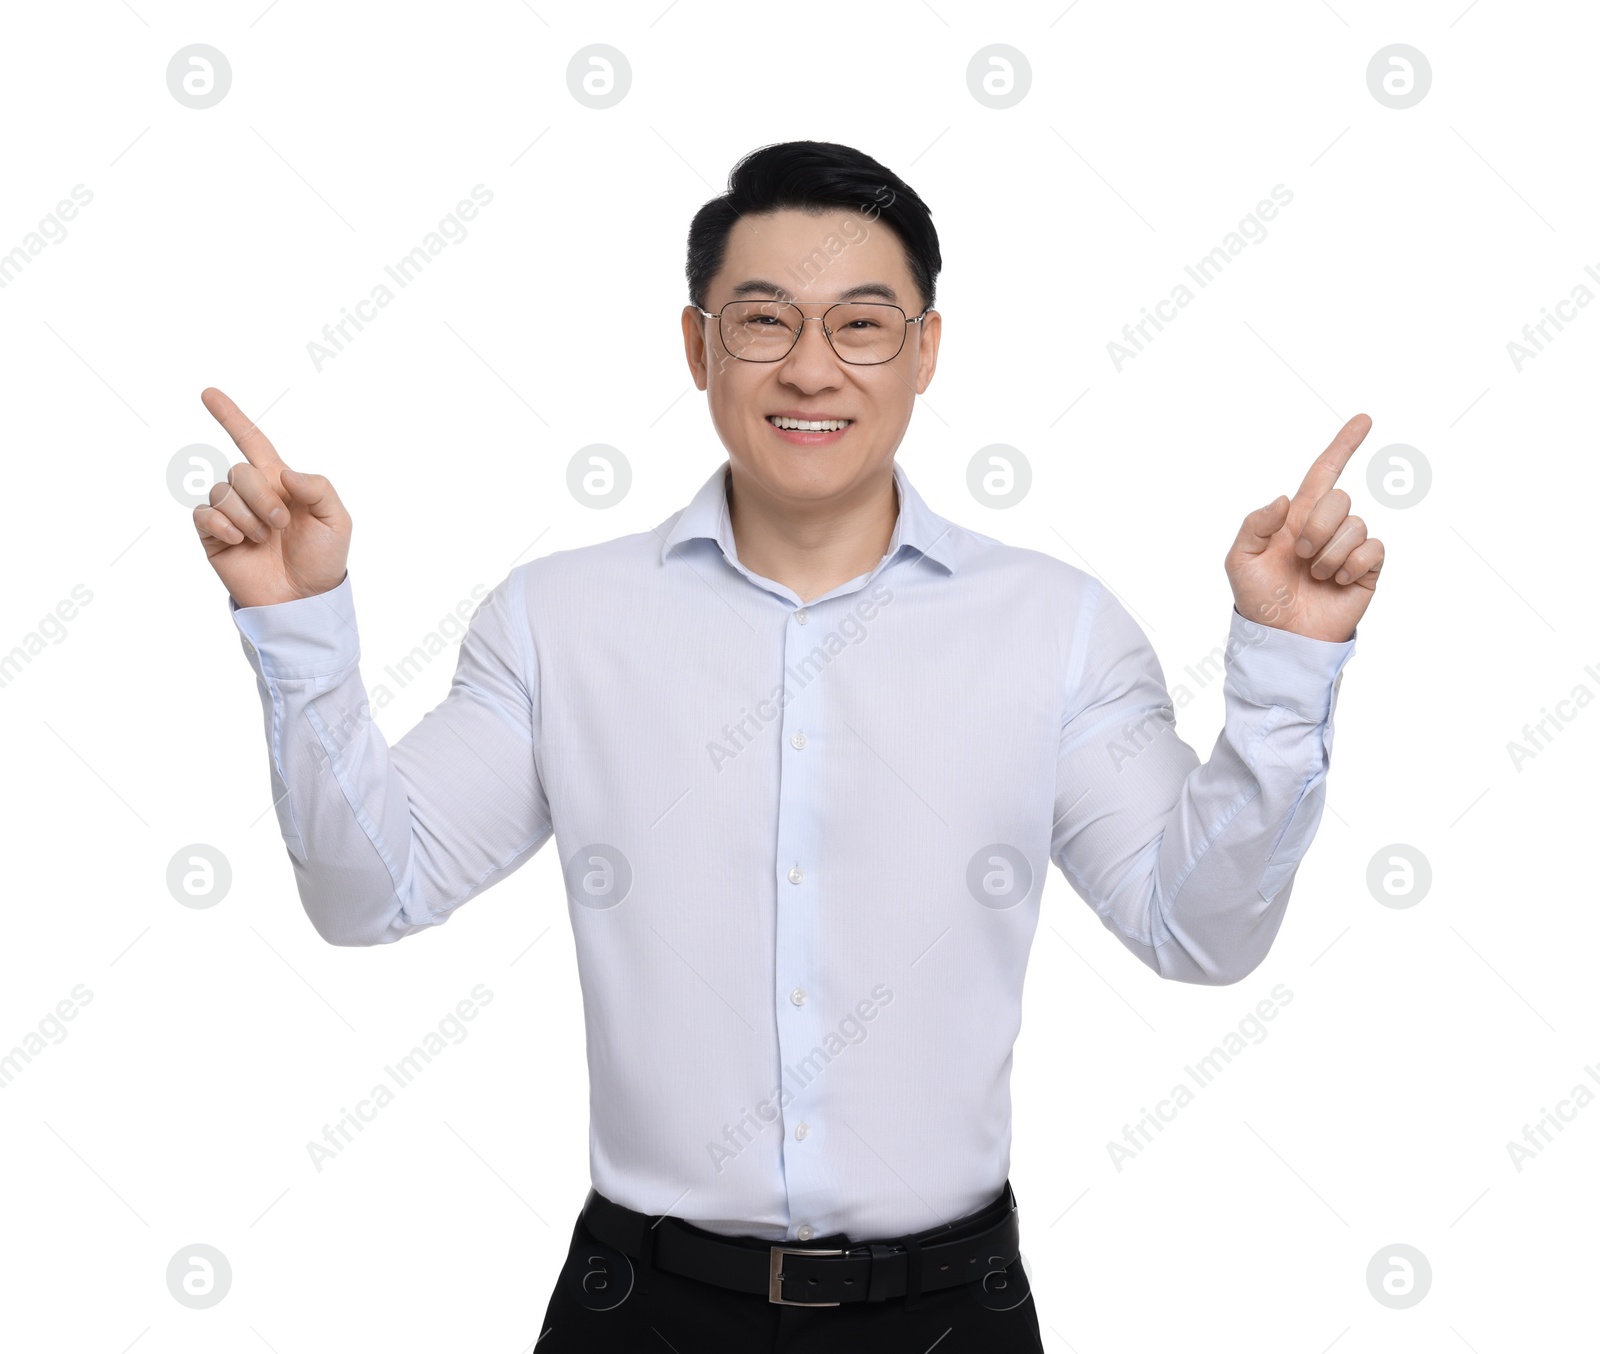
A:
(814, 546)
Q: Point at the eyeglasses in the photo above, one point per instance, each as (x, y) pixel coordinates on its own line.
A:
(862, 333)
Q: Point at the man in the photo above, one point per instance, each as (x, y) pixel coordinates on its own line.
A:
(807, 749)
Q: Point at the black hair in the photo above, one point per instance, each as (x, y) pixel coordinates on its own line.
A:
(812, 176)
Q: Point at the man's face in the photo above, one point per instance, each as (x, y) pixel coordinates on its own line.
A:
(812, 259)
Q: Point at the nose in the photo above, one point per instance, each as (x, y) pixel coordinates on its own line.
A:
(822, 348)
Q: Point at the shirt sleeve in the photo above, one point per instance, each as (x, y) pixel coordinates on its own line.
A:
(386, 841)
(1190, 865)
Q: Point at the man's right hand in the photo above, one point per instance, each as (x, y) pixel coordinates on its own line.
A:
(271, 533)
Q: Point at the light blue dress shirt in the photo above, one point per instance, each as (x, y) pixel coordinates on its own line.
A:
(803, 843)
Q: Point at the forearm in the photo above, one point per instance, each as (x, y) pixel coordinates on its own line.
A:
(1239, 829)
(388, 841)
(346, 886)
(1192, 870)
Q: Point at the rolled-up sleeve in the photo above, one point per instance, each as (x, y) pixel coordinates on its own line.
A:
(1190, 864)
(388, 841)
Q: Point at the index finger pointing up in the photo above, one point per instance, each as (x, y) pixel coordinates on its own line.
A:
(258, 450)
(1325, 469)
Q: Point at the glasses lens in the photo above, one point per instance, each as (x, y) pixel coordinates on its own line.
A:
(866, 333)
(759, 331)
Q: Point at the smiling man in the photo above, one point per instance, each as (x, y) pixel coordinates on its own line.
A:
(807, 749)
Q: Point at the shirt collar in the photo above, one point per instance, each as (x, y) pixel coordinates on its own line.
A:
(917, 525)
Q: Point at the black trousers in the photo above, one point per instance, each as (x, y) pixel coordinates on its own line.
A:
(604, 1302)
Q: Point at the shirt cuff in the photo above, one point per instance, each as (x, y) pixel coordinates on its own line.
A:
(1271, 666)
(308, 637)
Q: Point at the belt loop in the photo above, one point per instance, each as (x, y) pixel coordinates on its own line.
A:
(878, 1275)
(647, 1245)
(913, 1273)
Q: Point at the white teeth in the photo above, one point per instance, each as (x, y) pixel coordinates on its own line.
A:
(824, 425)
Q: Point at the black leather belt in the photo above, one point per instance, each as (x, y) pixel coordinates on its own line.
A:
(797, 1276)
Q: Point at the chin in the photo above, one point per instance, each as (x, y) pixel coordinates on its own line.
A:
(815, 475)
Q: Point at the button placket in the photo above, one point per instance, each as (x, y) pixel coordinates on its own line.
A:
(797, 934)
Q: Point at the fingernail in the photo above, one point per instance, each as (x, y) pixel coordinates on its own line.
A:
(1303, 546)
(1342, 576)
(278, 517)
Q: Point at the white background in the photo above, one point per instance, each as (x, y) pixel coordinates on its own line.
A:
(1419, 1041)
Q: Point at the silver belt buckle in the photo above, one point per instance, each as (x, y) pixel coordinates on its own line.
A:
(775, 1276)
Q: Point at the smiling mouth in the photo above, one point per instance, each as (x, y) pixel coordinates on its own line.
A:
(809, 425)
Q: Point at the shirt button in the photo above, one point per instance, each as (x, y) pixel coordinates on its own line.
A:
(798, 740)
(798, 996)
(801, 616)
(806, 1232)
(800, 1130)
(796, 875)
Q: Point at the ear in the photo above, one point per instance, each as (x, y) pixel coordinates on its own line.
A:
(694, 344)
(927, 350)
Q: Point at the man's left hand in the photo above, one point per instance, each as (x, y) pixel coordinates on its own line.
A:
(1304, 563)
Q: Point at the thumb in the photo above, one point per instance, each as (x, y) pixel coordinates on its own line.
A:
(1262, 525)
(312, 492)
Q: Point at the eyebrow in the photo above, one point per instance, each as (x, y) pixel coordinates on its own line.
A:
(880, 289)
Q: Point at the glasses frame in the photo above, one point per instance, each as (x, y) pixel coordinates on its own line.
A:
(800, 328)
